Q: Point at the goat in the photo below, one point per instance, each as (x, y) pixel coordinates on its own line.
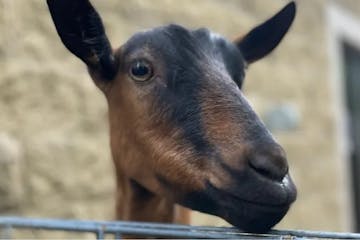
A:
(181, 130)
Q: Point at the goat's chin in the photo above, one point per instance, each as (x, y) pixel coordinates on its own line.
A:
(253, 217)
(255, 210)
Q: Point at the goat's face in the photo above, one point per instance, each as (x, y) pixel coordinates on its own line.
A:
(180, 125)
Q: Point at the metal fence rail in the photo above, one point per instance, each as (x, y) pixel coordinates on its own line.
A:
(119, 228)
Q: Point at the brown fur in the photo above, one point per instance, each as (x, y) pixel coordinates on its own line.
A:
(140, 162)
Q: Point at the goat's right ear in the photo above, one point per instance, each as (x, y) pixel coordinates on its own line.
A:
(82, 32)
(264, 38)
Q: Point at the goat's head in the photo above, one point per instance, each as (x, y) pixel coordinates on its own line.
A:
(180, 125)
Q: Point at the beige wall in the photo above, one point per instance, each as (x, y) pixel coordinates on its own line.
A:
(54, 148)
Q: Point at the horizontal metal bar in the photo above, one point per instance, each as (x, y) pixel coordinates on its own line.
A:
(163, 230)
(317, 234)
(129, 228)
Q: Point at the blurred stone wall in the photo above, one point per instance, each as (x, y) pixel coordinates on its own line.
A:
(54, 147)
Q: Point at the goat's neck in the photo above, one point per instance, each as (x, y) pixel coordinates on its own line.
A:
(135, 203)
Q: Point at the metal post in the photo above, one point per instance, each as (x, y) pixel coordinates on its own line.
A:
(100, 235)
(6, 232)
(117, 236)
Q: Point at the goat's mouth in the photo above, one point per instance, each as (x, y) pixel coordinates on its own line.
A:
(254, 206)
(259, 213)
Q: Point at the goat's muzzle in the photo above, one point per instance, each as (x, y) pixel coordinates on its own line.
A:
(254, 198)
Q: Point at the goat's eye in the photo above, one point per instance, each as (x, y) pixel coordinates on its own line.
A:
(140, 70)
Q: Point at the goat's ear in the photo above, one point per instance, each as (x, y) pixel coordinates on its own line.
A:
(82, 32)
(261, 40)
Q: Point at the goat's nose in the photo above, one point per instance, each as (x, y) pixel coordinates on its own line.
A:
(270, 163)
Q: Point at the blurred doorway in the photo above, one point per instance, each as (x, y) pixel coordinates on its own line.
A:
(344, 75)
(351, 60)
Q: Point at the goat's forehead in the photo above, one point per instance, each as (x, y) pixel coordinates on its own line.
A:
(173, 38)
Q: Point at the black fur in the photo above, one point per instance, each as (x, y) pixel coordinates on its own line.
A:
(82, 32)
(264, 38)
(252, 216)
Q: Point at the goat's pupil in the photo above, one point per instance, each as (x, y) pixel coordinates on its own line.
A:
(140, 69)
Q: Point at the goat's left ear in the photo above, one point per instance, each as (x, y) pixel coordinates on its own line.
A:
(82, 32)
(264, 38)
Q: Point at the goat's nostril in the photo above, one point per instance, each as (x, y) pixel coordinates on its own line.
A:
(271, 167)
